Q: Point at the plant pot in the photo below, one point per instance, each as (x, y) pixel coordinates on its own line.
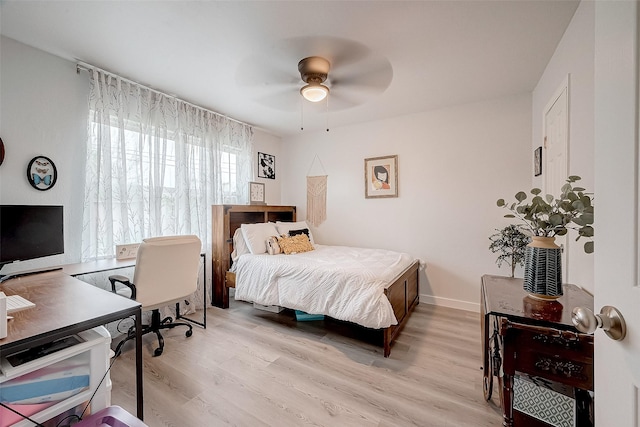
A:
(543, 268)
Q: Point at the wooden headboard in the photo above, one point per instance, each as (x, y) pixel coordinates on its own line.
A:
(226, 219)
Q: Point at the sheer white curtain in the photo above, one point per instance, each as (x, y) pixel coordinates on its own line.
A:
(155, 165)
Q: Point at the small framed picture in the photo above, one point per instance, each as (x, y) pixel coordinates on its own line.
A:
(537, 161)
(42, 173)
(266, 166)
(381, 177)
(256, 193)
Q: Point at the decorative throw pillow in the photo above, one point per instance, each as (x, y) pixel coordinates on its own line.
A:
(295, 244)
(273, 248)
(255, 235)
(296, 232)
(284, 227)
(239, 245)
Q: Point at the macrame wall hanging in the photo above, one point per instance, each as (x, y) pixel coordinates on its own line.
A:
(316, 196)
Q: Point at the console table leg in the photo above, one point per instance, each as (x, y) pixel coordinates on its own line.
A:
(507, 400)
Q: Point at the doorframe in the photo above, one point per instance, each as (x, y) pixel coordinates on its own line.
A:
(564, 86)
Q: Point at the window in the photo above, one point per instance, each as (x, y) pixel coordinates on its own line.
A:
(155, 165)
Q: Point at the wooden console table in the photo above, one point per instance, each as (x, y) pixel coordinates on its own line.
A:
(542, 344)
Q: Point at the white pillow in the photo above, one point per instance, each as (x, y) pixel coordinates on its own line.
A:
(256, 236)
(285, 227)
(239, 245)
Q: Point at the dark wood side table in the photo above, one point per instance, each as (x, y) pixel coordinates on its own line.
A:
(505, 305)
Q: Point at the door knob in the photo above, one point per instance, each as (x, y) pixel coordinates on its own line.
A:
(609, 319)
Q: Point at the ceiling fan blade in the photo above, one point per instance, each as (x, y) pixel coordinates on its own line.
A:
(261, 71)
(376, 74)
(334, 49)
(343, 100)
(287, 100)
(355, 76)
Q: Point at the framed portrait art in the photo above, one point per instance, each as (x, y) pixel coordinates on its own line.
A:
(537, 161)
(381, 177)
(266, 166)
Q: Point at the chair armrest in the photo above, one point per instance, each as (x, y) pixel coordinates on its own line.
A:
(117, 278)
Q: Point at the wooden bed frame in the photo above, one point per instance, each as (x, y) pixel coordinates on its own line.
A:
(403, 293)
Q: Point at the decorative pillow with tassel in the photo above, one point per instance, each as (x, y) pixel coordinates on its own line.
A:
(295, 244)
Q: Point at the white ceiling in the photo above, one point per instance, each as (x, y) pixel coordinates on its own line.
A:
(239, 58)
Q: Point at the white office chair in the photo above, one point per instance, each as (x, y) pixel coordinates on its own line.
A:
(166, 272)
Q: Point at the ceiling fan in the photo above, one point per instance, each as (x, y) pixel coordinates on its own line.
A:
(347, 71)
(314, 71)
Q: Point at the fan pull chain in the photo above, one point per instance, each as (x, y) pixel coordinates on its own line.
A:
(327, 113)
(301, 115)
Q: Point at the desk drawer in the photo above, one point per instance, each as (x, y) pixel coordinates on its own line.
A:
(556, 368)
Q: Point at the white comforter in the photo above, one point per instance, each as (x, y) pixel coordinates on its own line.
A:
(341, 282)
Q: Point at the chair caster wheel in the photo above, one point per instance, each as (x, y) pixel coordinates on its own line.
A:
(157, 352)
(188, 333)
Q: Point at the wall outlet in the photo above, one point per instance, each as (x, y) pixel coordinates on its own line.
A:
(127, 251)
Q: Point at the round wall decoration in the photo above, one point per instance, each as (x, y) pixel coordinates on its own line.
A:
(1, 151)
(42, 173)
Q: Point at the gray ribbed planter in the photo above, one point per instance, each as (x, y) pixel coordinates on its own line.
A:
(543, 268)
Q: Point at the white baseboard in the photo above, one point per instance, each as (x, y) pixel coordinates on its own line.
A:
(451, 303)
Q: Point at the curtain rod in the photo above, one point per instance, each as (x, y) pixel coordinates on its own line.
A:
(83, 66)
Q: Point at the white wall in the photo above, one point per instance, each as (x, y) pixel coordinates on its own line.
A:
(574, 56)
(453, 165)
(43, 104)
(264, 142)
(44, 108)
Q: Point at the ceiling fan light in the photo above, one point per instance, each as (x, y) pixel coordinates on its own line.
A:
(314, 92)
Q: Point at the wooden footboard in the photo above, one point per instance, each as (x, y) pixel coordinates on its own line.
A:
(404, 295)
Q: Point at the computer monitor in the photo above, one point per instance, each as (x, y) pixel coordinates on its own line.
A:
(30, 231)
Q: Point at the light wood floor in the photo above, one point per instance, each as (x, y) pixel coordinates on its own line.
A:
(253, 368)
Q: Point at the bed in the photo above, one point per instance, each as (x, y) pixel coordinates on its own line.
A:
(396, 279)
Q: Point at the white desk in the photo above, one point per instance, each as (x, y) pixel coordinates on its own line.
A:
(109, 264)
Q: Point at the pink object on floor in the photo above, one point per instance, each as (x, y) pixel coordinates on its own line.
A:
(112, 416)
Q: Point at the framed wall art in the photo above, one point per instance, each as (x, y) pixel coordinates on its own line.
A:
(266, 166)
(537, 161)
(42, 173)
(381, 177)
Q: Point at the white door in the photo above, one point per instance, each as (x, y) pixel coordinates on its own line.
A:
(616, 200)
(556, 146)
(556, 141)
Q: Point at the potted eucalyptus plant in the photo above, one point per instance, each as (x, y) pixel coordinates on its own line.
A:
(547, 217)
(510, 242)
